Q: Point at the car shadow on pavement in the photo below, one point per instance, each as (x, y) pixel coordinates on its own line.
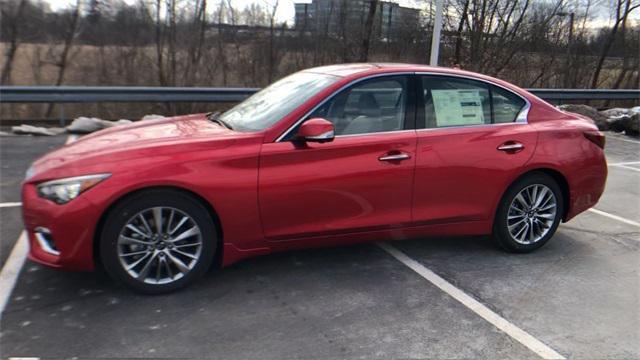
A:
(449, 254)
(40, 287)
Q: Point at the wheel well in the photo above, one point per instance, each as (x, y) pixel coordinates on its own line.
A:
(559, 178)
(212, 213)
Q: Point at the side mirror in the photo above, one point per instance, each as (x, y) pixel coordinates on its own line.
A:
(316, 130)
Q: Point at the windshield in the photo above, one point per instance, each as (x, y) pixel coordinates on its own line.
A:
(272, 103)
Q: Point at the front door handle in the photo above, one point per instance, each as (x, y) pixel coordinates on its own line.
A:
(395, 157)
(511, 147)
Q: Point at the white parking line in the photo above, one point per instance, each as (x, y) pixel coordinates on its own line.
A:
(625, 167)
(13, 265)
(615, 217)
(626, 163)
(625, 140)
(11, 270)
(474, 305)
(10, 204)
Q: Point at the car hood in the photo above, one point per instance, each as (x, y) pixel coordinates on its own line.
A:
(143, 138)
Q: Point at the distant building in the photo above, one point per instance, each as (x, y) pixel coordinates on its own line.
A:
(335, 16)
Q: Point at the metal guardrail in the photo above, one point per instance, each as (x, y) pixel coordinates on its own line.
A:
(91, 94)
(555, 95)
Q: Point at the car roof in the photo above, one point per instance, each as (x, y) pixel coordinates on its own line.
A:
(345, 70)
(358, 70)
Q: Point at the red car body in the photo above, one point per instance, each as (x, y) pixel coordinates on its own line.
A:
(268, 195)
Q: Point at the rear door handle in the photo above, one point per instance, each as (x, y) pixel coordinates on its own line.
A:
(395, 157)
(511, 146)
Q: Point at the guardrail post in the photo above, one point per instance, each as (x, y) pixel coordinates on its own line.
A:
(61, 114)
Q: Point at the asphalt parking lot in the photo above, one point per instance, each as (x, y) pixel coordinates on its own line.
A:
(579, 295)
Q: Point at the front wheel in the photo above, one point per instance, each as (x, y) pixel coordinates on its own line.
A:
(158, 241)
(529, 213)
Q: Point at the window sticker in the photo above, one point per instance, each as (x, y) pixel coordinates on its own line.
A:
(457, 107)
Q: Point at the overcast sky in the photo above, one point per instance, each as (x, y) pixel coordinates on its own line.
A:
(286, 9)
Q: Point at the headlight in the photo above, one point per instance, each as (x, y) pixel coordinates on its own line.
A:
(62, 191)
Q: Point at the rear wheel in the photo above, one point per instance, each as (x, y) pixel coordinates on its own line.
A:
(158, 241)
(529, 213)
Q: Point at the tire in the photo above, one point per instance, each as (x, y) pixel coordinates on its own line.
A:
(151, 259)
(514, 220)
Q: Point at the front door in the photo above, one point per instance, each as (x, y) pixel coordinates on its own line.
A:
(360, 181)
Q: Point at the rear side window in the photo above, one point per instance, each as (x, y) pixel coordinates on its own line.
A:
(506, 105)
(451, 101)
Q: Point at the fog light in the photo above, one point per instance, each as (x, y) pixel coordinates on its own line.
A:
(45, 241)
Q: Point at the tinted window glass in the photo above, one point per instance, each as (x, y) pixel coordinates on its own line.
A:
(506, 105)
(371, 106)
(451, 101)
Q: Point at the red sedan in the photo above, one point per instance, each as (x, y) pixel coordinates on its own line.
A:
(326, 156)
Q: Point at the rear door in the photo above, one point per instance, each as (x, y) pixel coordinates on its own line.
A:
(360, 181)
(472, 140)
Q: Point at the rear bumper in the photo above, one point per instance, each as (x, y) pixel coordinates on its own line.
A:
(587, 185)
(60, 236)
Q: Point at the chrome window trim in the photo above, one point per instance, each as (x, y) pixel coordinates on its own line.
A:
(376, 133)
(522, 117)
(328, 98)
(469, 126)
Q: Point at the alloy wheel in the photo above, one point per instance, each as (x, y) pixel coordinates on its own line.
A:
(159, 245)
(532, 214)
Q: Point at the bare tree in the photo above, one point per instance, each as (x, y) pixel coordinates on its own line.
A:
(196, 41)
(368, 29)
(159, 42)
(272, 39)
(322, 28)
(461, 22)
(193, 42)
(222, 60)
(69, 36)
(171, 16)
(14, 20)
(233, 18)
(623, 9)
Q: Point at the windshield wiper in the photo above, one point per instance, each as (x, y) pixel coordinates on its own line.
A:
(215, 117)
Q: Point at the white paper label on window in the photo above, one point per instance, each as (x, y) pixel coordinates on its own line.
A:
(457, 107)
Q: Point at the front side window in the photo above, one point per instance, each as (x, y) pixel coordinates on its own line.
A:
(272, 103)
(375, 105)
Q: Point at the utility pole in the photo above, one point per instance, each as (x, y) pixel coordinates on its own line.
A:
(569, 68)
(435, 37)
(567, 73)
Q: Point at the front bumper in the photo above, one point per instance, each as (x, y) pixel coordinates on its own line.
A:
(60, 236)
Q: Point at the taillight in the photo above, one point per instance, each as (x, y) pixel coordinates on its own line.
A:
(595, 137)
